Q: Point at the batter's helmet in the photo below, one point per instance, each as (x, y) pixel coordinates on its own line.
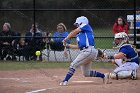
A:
(81, 20)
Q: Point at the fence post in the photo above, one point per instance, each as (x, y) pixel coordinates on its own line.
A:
(134, 22)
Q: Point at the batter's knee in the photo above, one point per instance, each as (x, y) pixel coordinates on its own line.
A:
(73, 65)
(86, 74)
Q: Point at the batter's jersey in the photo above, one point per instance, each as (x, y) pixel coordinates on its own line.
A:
(131, 54)
(86, 37)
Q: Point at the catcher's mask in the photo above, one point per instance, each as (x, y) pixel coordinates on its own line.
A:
(120, 39)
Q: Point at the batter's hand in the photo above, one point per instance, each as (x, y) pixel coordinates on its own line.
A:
(64, 42)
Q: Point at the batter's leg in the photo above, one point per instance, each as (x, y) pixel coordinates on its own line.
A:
(81, 59)
(87, 72)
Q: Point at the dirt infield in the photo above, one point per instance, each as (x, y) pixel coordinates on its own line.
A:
(47, 81)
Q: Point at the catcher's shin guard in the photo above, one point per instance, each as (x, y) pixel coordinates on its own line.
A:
(121, 75)
(134, 75)
(113, 75)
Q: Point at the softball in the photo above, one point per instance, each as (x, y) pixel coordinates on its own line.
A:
(37, 53)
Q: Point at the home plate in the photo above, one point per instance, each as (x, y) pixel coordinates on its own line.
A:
(82, 81)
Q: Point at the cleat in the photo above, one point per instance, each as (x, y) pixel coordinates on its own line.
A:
(64, 83)
(106, 78)
(134, 75)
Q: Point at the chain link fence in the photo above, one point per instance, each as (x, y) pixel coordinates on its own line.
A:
(47, 14)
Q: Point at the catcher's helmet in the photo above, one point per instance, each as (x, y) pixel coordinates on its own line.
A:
(123, 38)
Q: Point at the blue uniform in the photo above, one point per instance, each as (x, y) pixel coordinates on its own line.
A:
(86, 37)
(85, 42)
(130, 53)
(61, 36)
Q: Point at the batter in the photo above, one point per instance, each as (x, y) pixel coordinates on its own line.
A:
(85, 42)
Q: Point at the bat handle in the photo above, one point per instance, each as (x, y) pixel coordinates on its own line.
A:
(65, 52)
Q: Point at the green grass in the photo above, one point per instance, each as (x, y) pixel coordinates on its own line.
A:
(105, 32)
(7, 65)
(106, 65)
(104, 43)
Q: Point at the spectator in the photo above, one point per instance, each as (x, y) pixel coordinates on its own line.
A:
(20, 48)
(58, 37)
(47, 39)
(120, 26)
(15, 45)
(33, 42)
(7, 41)
(61, 33)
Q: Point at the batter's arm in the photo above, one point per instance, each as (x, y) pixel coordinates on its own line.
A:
(72, 33)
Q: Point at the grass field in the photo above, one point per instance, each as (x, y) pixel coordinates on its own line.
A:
(8, 65)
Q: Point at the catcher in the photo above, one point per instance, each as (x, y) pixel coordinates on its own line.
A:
(128, 53)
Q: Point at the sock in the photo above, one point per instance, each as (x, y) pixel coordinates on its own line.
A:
(69, 74)
(96, 74)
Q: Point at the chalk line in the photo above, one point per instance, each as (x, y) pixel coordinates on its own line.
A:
(40, 90)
